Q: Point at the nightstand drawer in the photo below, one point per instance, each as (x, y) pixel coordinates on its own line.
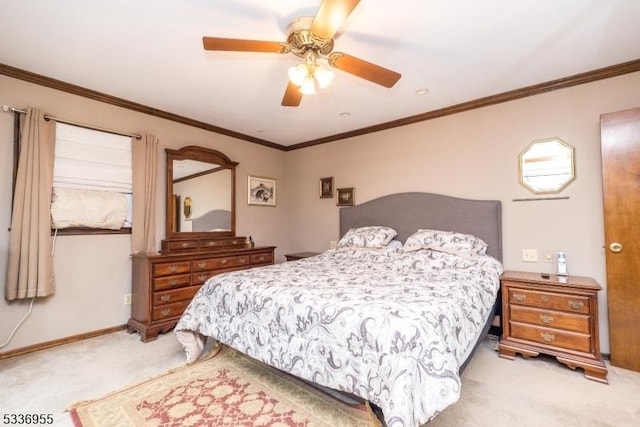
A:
(552, 319)
(571, 303)
(552, 337)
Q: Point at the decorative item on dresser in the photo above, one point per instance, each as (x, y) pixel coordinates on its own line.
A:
(300, 255)
(552, 315)
(164, 283)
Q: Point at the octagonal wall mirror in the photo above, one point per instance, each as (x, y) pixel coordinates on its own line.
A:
(547, 166)
(200, 193)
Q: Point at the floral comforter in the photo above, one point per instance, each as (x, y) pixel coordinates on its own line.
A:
(392, 327)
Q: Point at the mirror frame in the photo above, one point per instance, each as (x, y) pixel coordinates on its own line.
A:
(521, 178)
(192, 152)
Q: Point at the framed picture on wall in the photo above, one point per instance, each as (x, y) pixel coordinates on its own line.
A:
(261, 191)
(345, 196)
(326, 188)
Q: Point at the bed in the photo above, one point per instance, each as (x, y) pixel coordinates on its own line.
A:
(391, 320)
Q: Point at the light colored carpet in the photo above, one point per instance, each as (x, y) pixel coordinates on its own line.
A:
(495, 392)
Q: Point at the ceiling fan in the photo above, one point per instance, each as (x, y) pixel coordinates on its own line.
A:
(311, 38)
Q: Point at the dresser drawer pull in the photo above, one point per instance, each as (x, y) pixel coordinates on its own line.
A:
(576, 305)
(223, 261)
(211, 244)
(202, 277)
(547, 336)
(545, 298)
(173, 282)
(173, 268)
(235, 242)
(546, 318)
(242, 260)
(166, 312)
(165, 298)
(202, 265)
(261, 258)
(185, 245)
(519, 297)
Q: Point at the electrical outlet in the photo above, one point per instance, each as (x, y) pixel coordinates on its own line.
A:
(333, 244)
(127, 299)
(530, 255)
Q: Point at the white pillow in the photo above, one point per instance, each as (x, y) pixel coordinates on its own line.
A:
(466, 245)
(367, 237)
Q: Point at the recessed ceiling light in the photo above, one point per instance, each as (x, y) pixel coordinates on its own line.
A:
(345, 114)
(422, 91)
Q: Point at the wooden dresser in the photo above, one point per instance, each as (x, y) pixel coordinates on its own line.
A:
(557, 316)
(164, 284)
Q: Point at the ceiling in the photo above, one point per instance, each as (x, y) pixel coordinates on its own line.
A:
(150, 52)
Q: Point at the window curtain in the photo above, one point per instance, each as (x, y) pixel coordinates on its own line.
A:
(30, 269)
(143, 230)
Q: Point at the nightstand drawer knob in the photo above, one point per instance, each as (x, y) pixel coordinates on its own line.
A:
(576, 305)
(545, 318)
(547, 337)
(519, 297)
(615, 247)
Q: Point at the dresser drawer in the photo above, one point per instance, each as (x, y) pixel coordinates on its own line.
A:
(266, 258)
(221, 262)
(571, 303)
(169, 310)
(216, 243)
(168, 297)
(553, 319)
(553, 337)
(169, 268)
(179, 245)
(171, 282)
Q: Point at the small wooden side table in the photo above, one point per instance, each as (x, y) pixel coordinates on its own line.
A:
(553, 315)
(300, 255)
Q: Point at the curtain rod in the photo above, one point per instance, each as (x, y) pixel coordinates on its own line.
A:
(68, 122)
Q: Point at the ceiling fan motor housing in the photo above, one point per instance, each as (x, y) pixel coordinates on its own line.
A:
(301, 40)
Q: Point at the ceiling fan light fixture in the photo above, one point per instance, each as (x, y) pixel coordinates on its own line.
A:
(297, 74)
(324, 77)
(308, 86)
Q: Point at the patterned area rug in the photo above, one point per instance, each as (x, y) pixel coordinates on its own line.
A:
(226, 389)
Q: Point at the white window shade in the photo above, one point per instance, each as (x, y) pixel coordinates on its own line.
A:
(92, 160)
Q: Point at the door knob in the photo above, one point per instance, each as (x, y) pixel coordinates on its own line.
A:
(615, 247)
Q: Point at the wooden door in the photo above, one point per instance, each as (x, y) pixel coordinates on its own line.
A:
(620, 133)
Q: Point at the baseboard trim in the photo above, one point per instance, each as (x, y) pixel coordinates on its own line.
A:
(61, 341)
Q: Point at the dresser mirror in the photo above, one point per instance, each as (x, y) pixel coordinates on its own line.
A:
(200, 194)
(547, 166)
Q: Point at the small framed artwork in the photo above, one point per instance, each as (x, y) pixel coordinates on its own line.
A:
(261, 191)
(345, 196)
(326, 188)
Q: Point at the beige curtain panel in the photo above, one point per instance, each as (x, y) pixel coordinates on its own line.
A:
(144, 157)
(30, 269)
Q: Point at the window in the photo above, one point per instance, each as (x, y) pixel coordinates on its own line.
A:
(92, 180)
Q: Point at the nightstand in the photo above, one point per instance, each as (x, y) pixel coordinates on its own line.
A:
(557, 316)
(300, 255)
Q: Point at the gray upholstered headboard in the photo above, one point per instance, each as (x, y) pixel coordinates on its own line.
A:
(407, 212)
(217, 219)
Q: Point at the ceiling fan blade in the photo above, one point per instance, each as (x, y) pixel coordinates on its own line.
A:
(363, 69)
(241, 45)
(330, 17)
(292, 96)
